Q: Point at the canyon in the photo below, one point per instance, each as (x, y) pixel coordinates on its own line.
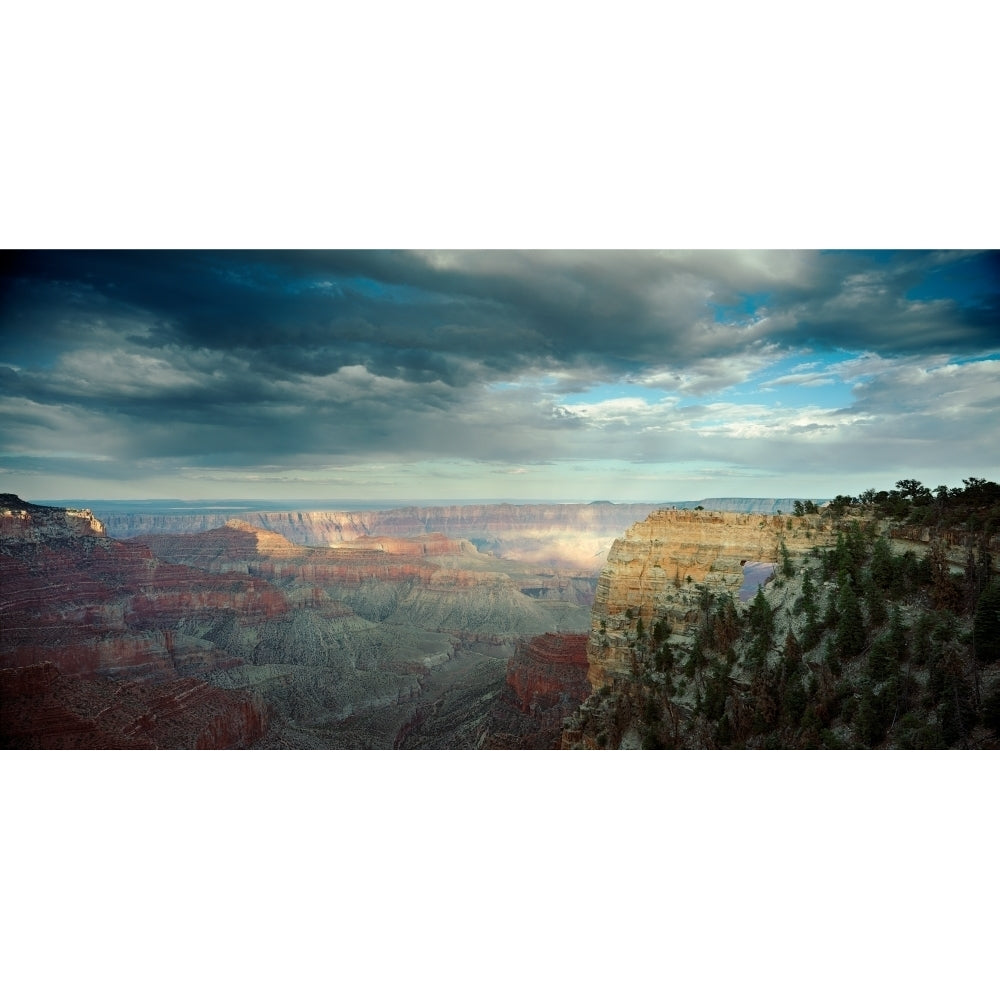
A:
(268, 643)
(240, 636)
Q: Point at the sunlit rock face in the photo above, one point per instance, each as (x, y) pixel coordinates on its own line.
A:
(572, 537)
(27, 522)
(657, 570)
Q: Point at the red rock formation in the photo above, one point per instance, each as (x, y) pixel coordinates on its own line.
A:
(546, 681)
(88, 641)
(89, 607)
(548, 671)
(41, 708)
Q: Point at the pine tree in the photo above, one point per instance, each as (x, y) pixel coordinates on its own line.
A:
(787, 569)
(881, 566)
(986, 625)
(850, 625)
(791, 655)
(881, 663)
(875, 602)
(897, 634)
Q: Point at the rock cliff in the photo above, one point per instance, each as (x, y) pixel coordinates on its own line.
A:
(546, 680)
(549, 671)
(21, 521)
(657, 570)
(568, 536)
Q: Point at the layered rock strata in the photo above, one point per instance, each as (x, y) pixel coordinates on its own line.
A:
(549, 672)
(29, 522)
(42, 708)
(659, 569)
(573, 537)
(92, 650)
(544, 681)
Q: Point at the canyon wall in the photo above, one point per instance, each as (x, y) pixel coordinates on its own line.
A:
(546, 680)
(574, 537)
(549, 672)
(93, 652)
(657, 570)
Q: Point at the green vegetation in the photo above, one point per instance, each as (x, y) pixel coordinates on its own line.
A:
(887, 637)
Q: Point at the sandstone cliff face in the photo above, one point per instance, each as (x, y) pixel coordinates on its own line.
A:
(655, 570)
(957, 543)
(31, 523)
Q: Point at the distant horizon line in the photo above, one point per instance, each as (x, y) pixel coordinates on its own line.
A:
(252, 503)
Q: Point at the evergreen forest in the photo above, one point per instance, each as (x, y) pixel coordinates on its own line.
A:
(889, 638)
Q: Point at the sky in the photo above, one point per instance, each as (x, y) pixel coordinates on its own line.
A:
(558, 376)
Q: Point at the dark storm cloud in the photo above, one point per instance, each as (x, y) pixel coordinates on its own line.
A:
(458, 316)
(235, 359)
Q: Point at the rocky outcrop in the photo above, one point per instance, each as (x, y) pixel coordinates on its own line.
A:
(549, 671)
(957, 543)
(545, 681)
(658, 569)
(21, 521)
